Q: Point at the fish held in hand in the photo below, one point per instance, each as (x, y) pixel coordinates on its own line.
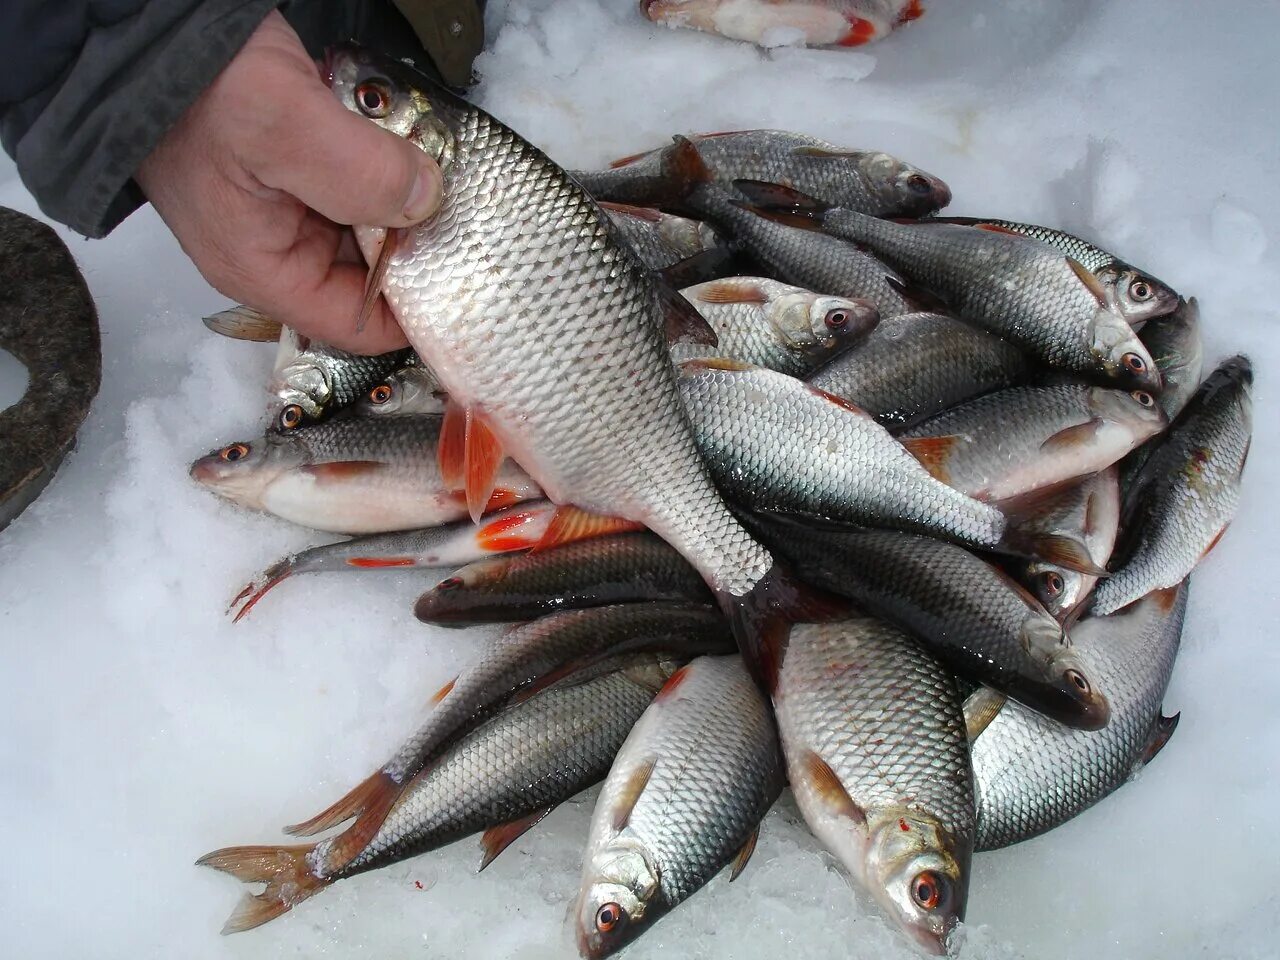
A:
(775, 325)
(874, 736)
(685, 795)
(312, 379)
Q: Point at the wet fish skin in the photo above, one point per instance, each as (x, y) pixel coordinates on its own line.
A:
(709, 755)
(866, 180)
(967, 613)
(1028, 438)
(1032, 774)
(407, 391)
(1174, 344)
(775, 325)
(526, 759)
(915, 365)
(625, 568)
(1188, 490)
(576, 394)
(319, 379)
(660, 239)
(1090, 514)
(351, 475)
(859, 703)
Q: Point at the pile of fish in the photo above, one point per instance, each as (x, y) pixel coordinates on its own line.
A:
(896, 508)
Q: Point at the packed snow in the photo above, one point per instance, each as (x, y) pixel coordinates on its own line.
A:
(143, 729)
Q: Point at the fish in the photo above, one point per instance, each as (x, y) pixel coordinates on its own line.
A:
(1046, 303)
(625, 568)
(775, 325)
(915, 365)
(1174, 344)
(1089, 513)
(684, 797)
(812, 23)
(1022, 439)
(501, 777)
(776, 443)
(968, 613)
(524, 658)
(529, 524)
(49, 324)
(582, 396)
(408, 391)
(243, 322)
(1135, 294)
(350, 475)
(660, 239)
(1182, 502)
(1032, 774)
(873, 731)
(312, 379)
(867, 180)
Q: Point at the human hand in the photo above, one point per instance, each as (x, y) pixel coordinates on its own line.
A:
(257, 176)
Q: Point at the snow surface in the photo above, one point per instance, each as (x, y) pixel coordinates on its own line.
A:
(142, 729)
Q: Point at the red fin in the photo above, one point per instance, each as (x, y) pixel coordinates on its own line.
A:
(683, 165)
(500, 499)
(912, 11)
(838, 401)
(824, 782)
(1165, 598)
(379, 562)
(443, 691)
(933, 452)
(673, 683)
(452, 450)
(571, 524)
(996, 228)
(484, 456)
(628, 160)
(627, 210)
(504, 534)
(729, 291)
(377, 273)
(1214, 542)
(1072, 438)
(371, 794)
(256, 590)
(860, 31)
(340, 470)
(283, 869)
(496, 839)
(716, 363)
(1089, 280)
(1161, 731)
(744, 855)
(776, 197)
(630, 792)
(682, 321)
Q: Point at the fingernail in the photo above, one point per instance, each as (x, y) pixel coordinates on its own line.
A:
(424, 198)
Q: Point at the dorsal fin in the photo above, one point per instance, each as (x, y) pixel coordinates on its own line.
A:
(629, 795)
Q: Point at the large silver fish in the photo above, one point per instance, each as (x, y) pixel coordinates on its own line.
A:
(865, 180)
(915, 365)
(1187, 493)
(1033, 774)
(546, 334)
(1018, 288)
(878, 760)
(685, 794)
(501, 777)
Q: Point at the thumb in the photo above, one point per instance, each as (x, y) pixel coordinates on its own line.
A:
(347, 168)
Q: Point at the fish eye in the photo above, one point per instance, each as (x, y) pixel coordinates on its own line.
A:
(374, 99)
(1143, 398)
(237, 451)
(1053, 583)
(1134, 363)
(380, 394)
(918, 183)
(836, 319)
(450, 583)
(926, 889)
(1140, 290)
(608, 917)
(290, 416)
(1077, 680)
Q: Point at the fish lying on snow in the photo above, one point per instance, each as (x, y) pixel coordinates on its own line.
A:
(660, 239)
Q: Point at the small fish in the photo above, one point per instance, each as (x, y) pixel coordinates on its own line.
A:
(812, 23)
(915, 365)
(685, 795)
(1088, 513)
(966, 612)
(1043, 302)
(350, 475)
(1022, 439)
(502, 777)
(874, 736)
(532, 523)
(1135, 294)
(626, 568)
(411, 390)
(1033, 774)
(776, 443)
(1174, 344)
(49, 324)
(313, 379)
(660, 239)
(775, 325)
(866, 180)
(1181, 503)
(524, 659)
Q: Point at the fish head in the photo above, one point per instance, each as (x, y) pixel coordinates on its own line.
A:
(1073, 695)
(1123, 356)
(903, 188)
(1137, 410)
(394, 96)
(1058, 588)
(242, 471)
(1137, 296)
(819, 325)
(304, 385)
(919, 872)
(406, 391)
(619, 899)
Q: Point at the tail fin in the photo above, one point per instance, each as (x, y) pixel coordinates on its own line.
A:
(257, 589)
(369, 803)
(285, 870)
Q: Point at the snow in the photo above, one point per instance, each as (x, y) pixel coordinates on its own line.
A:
(142, 729)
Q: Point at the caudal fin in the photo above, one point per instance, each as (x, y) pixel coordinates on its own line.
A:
(290, 879)
(369, 803)
(257, 589)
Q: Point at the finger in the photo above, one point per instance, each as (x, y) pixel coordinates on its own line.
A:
(345, 167)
